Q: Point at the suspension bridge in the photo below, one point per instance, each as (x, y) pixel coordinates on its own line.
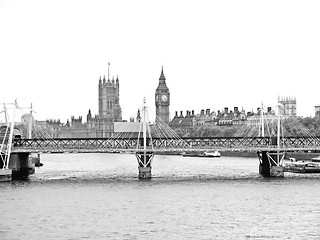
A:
(269, 136)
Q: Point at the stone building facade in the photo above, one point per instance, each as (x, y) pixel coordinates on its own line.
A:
(100, 125)
(289, 106)
(317, 110)
(206, 117)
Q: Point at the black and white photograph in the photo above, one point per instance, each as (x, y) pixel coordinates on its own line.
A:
(159, 119)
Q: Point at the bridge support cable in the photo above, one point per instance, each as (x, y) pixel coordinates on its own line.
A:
(13, 164)
(167, 136)
(34, 135)
(293, 134)
(7, 137)
(293, 127)
(3, 147)
(124, 137)
(4, 143)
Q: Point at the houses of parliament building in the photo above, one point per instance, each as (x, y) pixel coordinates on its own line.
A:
(102, 125)
(109, 118)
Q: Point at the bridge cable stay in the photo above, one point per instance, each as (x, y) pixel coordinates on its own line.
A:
(252, 130)
(3, 147)
(4, 137)
(122, 137)
(253, 127)
(126, 135)
(293, 128)
(164, 132)
(147, 130)
(164, 135)
(293, 134)
(41, 131)
(7, 137)
(34, 131)
(138, 141)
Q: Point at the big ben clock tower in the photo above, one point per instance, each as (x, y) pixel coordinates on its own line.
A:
(162, 99)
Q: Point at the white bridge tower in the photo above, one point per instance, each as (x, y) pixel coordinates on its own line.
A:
(144, 152)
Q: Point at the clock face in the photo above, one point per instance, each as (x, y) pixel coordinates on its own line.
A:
(164, 98)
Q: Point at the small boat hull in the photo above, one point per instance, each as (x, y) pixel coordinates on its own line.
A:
(302, 167)
(215, 154)
(199, 155)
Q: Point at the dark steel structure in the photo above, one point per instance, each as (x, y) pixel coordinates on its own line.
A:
(220, 143)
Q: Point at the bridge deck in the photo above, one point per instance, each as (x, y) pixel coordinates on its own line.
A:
(183, 144)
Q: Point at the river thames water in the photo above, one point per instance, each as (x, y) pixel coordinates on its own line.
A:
(99, 196)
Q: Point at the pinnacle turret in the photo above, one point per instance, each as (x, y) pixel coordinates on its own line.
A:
(109, 98)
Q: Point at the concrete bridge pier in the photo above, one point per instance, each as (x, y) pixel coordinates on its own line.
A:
(144, 158)
(144, 172)
(269, 165)
(21, 165)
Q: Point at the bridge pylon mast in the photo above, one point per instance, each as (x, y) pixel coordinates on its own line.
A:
(278, 134)
(30, 123)
(262, 121)
(145, 155)
(5, 113)
(9, 147)
(271, 162)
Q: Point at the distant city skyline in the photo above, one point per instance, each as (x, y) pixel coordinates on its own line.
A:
(214, 54)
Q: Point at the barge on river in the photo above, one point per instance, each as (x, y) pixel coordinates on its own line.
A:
(302, 166)
(214, 154)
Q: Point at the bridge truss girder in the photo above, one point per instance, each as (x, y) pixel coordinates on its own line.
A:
(220, 143)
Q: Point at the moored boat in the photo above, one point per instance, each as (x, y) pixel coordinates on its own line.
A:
(303, 166)
(208, 154)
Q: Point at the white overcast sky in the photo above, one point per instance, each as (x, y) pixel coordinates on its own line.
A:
(215, 54)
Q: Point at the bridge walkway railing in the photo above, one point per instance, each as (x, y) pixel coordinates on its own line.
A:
(201, 143)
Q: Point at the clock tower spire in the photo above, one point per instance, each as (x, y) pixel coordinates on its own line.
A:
(162, 99)
(162, 78)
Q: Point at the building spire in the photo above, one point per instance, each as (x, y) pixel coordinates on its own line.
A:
(108, 70)
(162, 77)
